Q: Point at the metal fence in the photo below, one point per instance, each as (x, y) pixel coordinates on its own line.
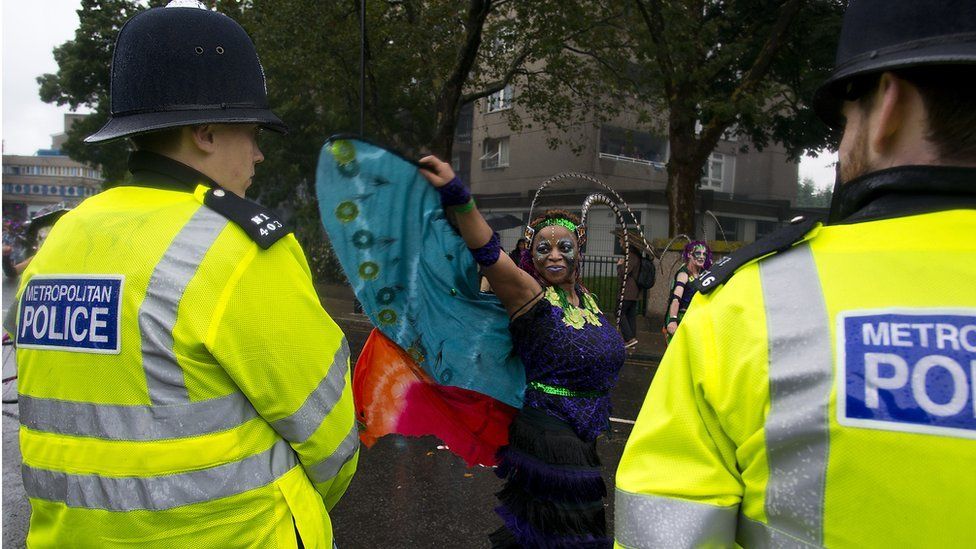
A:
(600, 277)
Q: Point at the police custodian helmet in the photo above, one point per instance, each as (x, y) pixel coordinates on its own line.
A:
(880, 35)
(179, 66)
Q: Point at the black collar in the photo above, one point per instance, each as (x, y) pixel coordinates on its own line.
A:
(154, 170)
(903, 191)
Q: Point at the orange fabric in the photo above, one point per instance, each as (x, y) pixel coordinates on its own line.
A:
(393, 395)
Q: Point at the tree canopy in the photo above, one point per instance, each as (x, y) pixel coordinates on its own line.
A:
(807, 194)
(693, 69)
(698, 70)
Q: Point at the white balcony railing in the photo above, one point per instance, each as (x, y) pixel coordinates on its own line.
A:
(632, 160)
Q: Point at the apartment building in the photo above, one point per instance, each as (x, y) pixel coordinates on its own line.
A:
(745, 193)
(34, 182)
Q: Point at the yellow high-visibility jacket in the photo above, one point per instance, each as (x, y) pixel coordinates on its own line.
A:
(180, 385)
(824, 396)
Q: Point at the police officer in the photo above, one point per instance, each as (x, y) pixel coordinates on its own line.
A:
(181, 385)
(824, 394)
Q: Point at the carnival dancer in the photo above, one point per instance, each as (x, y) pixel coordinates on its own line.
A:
(553, 495)
(697, 257)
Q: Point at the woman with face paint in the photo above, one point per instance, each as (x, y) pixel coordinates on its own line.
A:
(554, 490)
(697, 257)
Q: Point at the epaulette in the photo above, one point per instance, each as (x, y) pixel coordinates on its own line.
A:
(775, 242)
(261, 224)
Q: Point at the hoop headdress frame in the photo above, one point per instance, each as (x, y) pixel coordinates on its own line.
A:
(595, 198)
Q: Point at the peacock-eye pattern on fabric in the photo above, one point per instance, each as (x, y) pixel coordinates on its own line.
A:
(412, 272)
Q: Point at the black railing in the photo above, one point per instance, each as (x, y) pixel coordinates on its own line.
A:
(600, 277)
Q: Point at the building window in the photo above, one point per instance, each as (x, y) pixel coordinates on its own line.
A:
(495, 153)
(727, 228)
(633, 146)
(765, 227)
(712, 174)
(500, 100)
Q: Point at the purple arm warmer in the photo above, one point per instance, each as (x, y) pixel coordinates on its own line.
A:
(487, 255)
(454, 193)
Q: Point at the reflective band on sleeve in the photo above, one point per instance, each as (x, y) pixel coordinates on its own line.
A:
(157, 314)
(330, 466)
(800, 372)
(756, 535)
(642, 520)
(299, 426)
(161, 492)
(137, 423)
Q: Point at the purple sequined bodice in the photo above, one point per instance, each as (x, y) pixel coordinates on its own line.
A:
(585, 359)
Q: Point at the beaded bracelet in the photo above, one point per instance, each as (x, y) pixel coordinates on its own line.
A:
(487, 255)
(454, 193)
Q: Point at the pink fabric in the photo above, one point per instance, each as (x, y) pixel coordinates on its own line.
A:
(393, 395)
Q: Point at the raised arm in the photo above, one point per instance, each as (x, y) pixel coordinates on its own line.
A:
(513, 286)
(674, 303)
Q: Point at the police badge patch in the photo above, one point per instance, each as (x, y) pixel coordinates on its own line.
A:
(79, 313)
(909, 370)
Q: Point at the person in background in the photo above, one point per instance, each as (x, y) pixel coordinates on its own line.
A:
(516, 253)
(697, 257)
(37, 230)
(820, 390)
(628, 313)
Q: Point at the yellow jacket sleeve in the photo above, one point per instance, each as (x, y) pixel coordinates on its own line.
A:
(274, 339)
(677, 483)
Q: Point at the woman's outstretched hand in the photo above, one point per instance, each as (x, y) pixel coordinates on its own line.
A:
(435, 170)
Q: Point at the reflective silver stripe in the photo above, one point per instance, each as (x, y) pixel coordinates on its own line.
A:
(756, 535)
(330, 466)
(157, 315)
(115, 422)
(643, 520)
(800, 373)
(299, 426)
(161, 492)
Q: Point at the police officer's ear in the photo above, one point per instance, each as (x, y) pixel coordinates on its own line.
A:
(203, 137)
(897, 118)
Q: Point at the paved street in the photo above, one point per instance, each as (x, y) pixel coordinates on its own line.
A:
(407, 492)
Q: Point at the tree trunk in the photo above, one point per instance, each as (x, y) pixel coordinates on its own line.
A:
(442, 144)
(449, 98)
(684, 169)
(682, 188)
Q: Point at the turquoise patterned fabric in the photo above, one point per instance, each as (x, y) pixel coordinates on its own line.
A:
(412, 272)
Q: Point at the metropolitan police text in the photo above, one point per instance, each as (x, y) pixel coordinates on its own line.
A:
(80, 323)
(936, 336)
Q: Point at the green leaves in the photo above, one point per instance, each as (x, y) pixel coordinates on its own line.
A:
(575, 63)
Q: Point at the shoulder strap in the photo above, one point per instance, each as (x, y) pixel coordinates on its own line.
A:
(775, 242)
(260, 223)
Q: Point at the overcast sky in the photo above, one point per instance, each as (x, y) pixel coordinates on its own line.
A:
(31, 30)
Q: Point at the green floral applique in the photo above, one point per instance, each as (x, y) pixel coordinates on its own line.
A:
(573, 316)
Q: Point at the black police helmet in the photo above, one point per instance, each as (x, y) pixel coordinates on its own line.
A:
(180, 66)
(881, 35)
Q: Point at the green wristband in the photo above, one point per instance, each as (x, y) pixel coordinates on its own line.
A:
(466, 207)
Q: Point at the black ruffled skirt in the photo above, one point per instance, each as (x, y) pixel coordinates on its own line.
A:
(553, 493)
